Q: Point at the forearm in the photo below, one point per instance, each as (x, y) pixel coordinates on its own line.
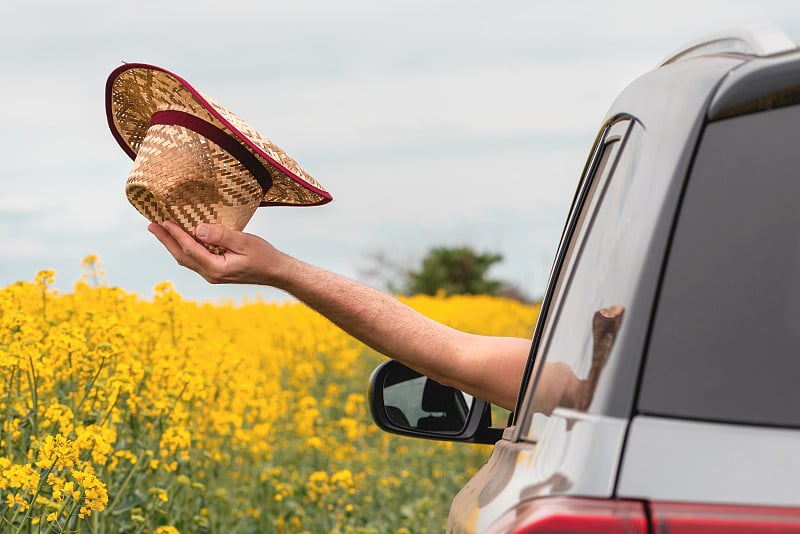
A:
(376, 318)
(489, 368)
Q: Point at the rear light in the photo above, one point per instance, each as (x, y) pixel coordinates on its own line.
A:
(676, 518)
(563, 515)
(569, 515)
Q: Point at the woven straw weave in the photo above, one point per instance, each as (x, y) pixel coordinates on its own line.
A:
(176, 176)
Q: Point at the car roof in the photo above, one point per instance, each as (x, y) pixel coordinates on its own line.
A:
(757, 40)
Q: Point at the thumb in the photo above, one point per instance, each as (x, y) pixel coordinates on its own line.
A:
(215, 234)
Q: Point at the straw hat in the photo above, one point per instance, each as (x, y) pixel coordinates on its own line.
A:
(195, 161)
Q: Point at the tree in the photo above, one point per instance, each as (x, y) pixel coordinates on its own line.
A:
(453, 270)
(458, 270)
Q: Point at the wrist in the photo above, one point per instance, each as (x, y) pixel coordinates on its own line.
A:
(286, 273)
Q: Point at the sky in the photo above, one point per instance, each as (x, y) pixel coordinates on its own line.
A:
(432, 123)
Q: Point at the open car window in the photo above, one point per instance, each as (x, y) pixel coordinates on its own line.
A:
(590, 294)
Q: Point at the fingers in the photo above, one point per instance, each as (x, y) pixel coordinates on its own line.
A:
(183, 247)
(187, 242)
(166, 239)
(247, 258)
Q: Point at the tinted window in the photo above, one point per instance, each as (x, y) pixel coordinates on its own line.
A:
(592, 290)
(726, 338)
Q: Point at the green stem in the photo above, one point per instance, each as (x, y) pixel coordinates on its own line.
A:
(171, 316)
(34, 397)
(72, 510)
(172, 500)
(42, 480)
(89, 386)
(7, 433)
(58, 514)
(110, 408)
(128, 477)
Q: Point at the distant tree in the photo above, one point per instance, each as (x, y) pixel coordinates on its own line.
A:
(454, 270)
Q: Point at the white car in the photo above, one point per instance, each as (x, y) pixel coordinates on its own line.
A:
(674, 299)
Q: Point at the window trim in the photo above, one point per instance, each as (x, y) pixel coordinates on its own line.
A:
(616, 129)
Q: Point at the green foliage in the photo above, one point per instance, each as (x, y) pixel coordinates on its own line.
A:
(455, 271)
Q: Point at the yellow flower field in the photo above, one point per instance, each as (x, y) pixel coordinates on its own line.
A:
(163, 415)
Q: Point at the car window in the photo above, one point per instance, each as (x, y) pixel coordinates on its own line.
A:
(591, 291)
(725, 343)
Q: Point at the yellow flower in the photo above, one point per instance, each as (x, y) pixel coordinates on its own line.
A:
(352, 428)
(95, 495)
(354, 404)
(45, 278)
(22, 477)
(57, 451)
(60, 416)
(99, 441)
(314, 442)
(343, 478)
(16, 499)
(175, 439)
(159, 494)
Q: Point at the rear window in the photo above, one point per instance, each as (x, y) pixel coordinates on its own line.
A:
(725, 343)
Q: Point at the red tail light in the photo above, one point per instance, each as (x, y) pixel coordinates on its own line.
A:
(568, 515)
(675, 518)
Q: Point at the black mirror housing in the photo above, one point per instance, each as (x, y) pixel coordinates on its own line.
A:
(404, 402)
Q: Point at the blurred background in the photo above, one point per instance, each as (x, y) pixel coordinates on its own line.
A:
(432, 123)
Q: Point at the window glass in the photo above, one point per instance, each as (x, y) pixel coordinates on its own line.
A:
(725, 344)
(591, 291)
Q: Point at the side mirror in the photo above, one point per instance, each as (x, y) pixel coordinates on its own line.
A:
(403, 401)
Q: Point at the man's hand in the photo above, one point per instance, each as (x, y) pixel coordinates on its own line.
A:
(247, 259)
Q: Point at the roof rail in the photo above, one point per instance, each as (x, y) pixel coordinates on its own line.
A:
(751, 40)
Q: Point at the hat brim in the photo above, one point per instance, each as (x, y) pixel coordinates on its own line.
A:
(135, 91)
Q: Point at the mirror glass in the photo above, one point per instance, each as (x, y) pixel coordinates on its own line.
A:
(415, 402)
